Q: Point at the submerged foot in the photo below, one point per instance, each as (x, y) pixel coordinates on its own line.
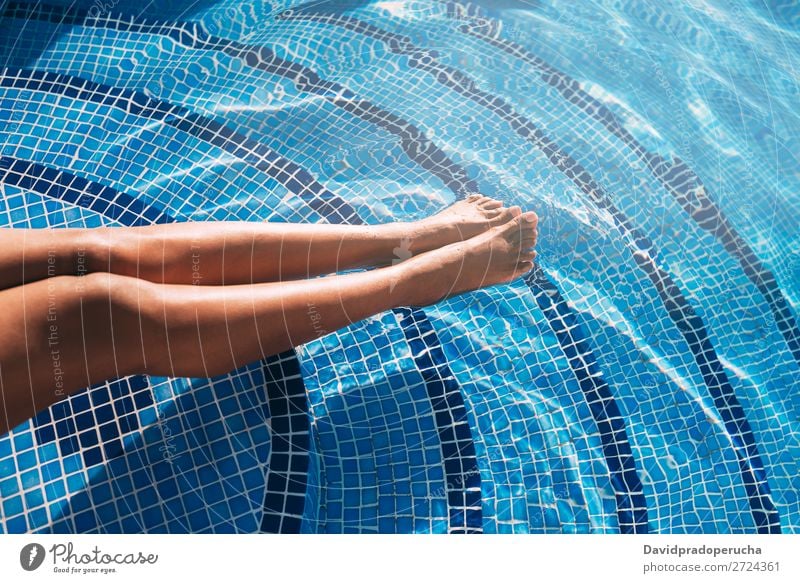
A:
(462, 220)
(498, 255)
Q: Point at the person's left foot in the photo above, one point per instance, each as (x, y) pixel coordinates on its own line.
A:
(460, 221)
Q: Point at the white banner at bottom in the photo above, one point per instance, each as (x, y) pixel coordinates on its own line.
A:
(388, 558)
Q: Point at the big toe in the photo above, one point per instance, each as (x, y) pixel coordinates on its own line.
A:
(521, 228)
(529, 224)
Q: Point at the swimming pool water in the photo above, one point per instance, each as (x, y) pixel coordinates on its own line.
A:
(642, 378)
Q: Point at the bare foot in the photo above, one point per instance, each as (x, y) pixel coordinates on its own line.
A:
(498, 255)
(462, 220)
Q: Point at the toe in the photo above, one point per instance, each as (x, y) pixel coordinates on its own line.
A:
(514, 211)
(500, 215)
(523, 267)
(530, 224)
(512, 229)
(474, 197)
(529, 232)
(490, 203)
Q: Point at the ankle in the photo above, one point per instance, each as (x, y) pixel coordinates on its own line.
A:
(415, 283)
(428, 234)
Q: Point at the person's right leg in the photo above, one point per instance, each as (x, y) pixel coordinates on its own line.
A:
(65, 333)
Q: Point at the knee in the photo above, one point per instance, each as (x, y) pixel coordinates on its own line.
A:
(156, 320)
(120, 309)
(147, 319)
(88, 295)
(153, 324)
(118, 294)
(94, 287)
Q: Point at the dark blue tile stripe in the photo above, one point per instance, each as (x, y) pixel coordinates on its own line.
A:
(296, 179)
(635, 508)
(631, 503)
(645, 254)
(691, 327)
(458, 448)
(61, 185)
(414, 142)
(285, 391)
(678, 178)
(689, 192)
(287, 478)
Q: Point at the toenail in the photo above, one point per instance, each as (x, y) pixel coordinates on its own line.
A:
(530, 217)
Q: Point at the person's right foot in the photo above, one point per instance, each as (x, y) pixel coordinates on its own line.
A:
(462, 220)
(498, 255)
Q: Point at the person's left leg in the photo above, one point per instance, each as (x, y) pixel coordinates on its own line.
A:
(217, 253)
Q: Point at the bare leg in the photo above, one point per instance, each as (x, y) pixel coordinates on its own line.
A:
(235, 252)
(68, 332)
